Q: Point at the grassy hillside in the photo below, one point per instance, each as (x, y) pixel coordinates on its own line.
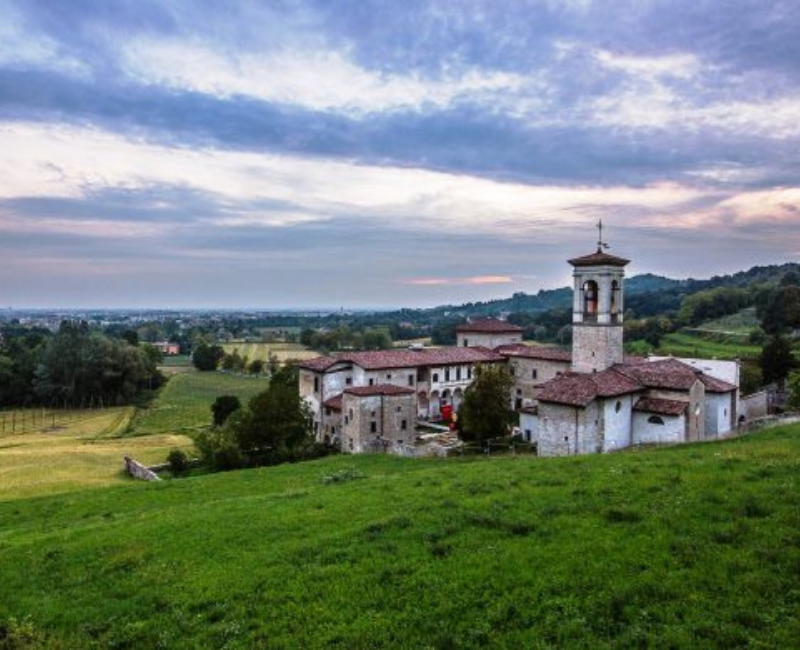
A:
(694, 345)
(697, 546)
(184, 404)
(742, 322)
(73, 451)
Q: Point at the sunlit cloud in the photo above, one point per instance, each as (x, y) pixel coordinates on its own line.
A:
(477, 280)
(321, 80)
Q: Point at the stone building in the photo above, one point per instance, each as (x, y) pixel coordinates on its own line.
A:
(591, 399)
(607, 402)
(488, 333)
(436, 378)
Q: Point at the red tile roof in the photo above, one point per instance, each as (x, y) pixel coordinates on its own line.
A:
(579, 389)
(384, 359)
(334, 403)
(489, 326)
(379, 389)
(670, 374)
(599, 259)
(535, 352)
(660, 406)
(714, 385)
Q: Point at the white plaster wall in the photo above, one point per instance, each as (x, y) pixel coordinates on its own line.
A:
(718, 414)
(529, 424)
(644, 433)
(487, 340)
(617, 424)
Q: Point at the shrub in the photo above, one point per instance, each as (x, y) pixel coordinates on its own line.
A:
(178, 462)
(223, 407)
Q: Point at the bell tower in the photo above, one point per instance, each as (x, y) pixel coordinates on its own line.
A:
(597, 308)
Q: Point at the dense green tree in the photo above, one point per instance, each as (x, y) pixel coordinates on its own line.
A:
(794, 391)
(782, 310)
(485, 412)
(223, 407)
(776, 359)
(256, 367)
(206, 357)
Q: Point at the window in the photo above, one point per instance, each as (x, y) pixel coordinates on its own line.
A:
(469, 372)
(399, 408)
(348, 381)
(654, 419)
(346, 420)
(512, 369)
(466, 343)
(403, 425)
(373, 414)
(534, 374)
(373, 427)
(327, 411)
(371, 382)
(618, 407)
(528, 435)
(590, 300)
(388, 375)
(411, 380)
(351, 412)
(435, 376)
(447, 374)
(316, 384)
(519, 391)
(458, 374)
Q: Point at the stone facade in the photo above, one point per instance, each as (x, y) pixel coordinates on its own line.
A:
(372, 422)
(596, 347)
(489, 340)
(529, 374)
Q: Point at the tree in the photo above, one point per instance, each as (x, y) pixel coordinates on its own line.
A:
(273, 364)
(205, 357)
(485, 411)
(794, 391)
(776, 359)
(223, 407)
(256, 367)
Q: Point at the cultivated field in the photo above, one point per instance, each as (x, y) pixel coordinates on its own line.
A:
(184, 404)
(690, 345)
(683, 547)
(742, 322)
(284, 351)
(70, 450)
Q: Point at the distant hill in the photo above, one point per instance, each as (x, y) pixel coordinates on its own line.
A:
(648, 294)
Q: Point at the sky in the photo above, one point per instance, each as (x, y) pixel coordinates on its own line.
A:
(365, 153)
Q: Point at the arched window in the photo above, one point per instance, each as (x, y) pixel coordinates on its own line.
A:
(654, 419)
(614, 299)
(618, 407)
(590, 300)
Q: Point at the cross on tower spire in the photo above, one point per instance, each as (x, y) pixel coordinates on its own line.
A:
(600, 243)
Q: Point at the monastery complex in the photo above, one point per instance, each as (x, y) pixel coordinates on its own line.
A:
(593, 399)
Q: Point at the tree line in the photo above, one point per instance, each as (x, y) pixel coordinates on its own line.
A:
(73, 367)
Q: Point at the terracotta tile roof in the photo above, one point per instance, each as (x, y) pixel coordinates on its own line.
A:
(334, 403)
(715, 385)
(379, 389)
(489, 326)
(317, 364)
(668, 373)
(535, 352)
(384, 359)
(599, 259)
(579, 389)
(660, 406)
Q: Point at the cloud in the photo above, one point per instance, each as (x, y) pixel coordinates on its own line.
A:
(477, 280)
(318, 80)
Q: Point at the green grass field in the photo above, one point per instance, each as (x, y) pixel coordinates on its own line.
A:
(689, 345)
(684, 547)
(284, 351)
(72, 451)
(184, 404)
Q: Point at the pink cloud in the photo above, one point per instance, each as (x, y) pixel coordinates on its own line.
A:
(480, 279)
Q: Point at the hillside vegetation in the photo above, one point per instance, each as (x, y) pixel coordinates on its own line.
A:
(679, 547)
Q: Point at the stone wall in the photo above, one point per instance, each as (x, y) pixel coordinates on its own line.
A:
(596, 347)
(137, 470)
(567, 430)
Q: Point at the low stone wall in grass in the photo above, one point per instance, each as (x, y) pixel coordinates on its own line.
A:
(769, 421)
(137, 470)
